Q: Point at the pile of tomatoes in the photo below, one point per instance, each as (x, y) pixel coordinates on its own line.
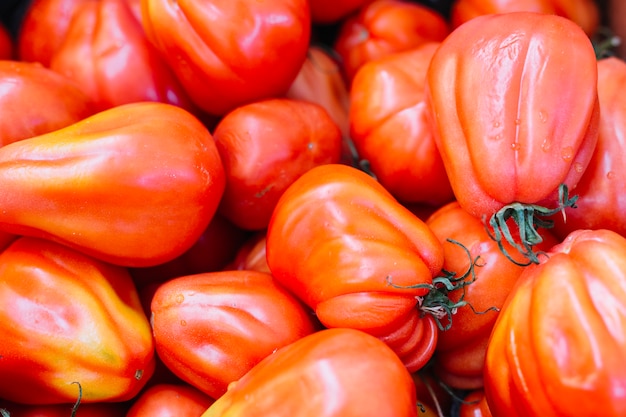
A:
(312, 208)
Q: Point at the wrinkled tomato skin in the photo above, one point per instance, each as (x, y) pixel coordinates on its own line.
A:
(60, 101)
(230, 53)
(516, 112)
(170, 400)
(557, 348)
(212, 328)
(67, 317)
(393, 132)
(601, 197)
(325, 374)
(338, 241)
(460, 352)
(105, 185)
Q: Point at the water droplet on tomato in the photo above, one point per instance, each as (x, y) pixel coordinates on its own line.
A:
(546, 145)
(183, 323)
(518, 121)
(496, 124)
(610, 175)
(543, 116)
(180, 298)
(578, 167)
(567, 153)
(515, 146)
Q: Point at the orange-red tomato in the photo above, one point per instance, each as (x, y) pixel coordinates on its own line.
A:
(390, 128)
(584, 13)
(99, 409)
(341, 243)
(60, 101)
(67, 318)
(230, 53)
(332, 11)
(557, 348)
(264, 147)
(601, 189)
(170, 400)
(330, 373)
(212, 328)
(385, 26)
(474, 405)
(134, 185)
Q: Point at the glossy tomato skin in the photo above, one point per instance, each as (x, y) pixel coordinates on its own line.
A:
(210, 329)
(67, 317)
(122, 66)
(326, 374)
(170, 400)
(514, 119)
(475, 405)
(60, 101)
(393, 132)
(460, 352)
(99, 409)
(106, 184)
(265, 146)
(386, 26)
(230, 53)
(558, 346)
(584, 13)
(601, 189)
(338, 240)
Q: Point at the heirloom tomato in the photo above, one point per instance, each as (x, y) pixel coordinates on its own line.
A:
(515, 107)
(332, 11)
(601, 188)
(474, 405)
(230, 52)
(264, 146)
(69, 319)
(386, 26)
(170, 400)
(134, 185)
(392, 132)
(557, 348)
(330, 373)
(252, 255)
(99, 409)
(7, 48)
(211, 328)
(60, 101)
(584, 13)
(340, 242)
(107, 53)
(460, 353)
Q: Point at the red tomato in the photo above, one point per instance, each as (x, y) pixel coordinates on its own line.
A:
(558, 346)
(60, 102)
(474, 405)
(7, 47)
(585, 13)
(230, 53)
(460, 352)
(100, 409)
(390, 127)
(67, 318)
(601, 189)
(386, 26)
(107, 53)
(341, 243)
(264, 147)
(169, 400)
(211, 328)
(252, 255)
(135, 185)
(515, 107)
(330, 373)
(332, 11)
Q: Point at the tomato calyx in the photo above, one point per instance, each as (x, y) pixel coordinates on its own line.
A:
(437, 301)
(527, 218)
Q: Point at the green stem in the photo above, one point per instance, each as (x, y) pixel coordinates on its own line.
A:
(80, 396)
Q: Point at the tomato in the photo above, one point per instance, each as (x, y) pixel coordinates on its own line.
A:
(100, 409)
(60, 101)
(332, 11)
(392, 132)
(122, 66)
(211, 328)
(170, 400)
(460, 351)
(252, 255)
(68, 318)
(230, 53)
(264, 147)
(135, 185)
(7, 48)
(342, 244)
(474, 405)
(584, 13)
(332, 372)
(385, 26)
(601, 188)
(557, 348)
(617, 24)
(514, 103)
